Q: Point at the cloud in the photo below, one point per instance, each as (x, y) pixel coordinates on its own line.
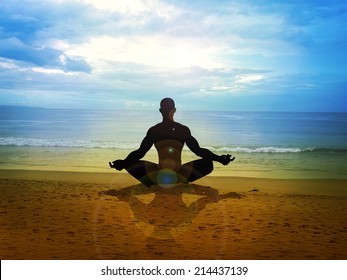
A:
(154, 51)
(75, 64)
(14, 49)
(249, 78)
(105, 50)
(220, 88)
(135, 7)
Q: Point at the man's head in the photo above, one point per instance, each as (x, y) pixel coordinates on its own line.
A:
(167, 107)
(167, 104)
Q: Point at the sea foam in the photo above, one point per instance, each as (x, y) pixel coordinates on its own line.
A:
(78, 143)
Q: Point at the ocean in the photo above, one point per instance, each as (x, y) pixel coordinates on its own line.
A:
(265, 144)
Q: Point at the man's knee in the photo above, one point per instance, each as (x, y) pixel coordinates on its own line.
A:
(201, 168)
(208, 166)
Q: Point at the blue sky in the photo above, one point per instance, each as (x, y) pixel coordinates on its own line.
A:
(207, 55)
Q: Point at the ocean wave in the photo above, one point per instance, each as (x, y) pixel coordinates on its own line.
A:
(68, 143)
(260, 150)
(78, 143)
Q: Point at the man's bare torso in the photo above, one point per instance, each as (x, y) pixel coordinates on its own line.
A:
(169, 139)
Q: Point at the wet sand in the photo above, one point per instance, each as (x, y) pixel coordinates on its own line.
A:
(70, 215)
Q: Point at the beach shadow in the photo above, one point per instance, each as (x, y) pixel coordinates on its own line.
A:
(165, 213)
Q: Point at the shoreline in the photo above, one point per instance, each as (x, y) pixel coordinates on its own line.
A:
(24, 173)
(333, 187)
(306, 165)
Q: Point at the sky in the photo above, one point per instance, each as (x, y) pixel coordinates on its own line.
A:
(207, 55)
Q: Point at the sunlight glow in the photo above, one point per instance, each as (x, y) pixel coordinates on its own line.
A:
(159, 52)
(182, 57)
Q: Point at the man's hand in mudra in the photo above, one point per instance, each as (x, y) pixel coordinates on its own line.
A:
(117, 164)
(226, 159)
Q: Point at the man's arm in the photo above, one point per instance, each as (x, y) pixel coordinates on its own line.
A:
(134, 156)
(194, 146)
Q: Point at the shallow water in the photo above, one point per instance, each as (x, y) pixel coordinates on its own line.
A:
(266, 144)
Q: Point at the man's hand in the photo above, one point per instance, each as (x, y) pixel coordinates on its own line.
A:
(117, 164)
(226, 159)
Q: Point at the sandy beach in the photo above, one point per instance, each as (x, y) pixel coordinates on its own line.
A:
(70, 215)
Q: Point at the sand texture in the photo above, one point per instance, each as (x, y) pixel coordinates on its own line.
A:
(65, 215)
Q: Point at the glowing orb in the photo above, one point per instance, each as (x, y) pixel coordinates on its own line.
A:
(166, 178)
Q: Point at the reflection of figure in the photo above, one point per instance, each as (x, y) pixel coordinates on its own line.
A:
(167, 215)
(169, 138)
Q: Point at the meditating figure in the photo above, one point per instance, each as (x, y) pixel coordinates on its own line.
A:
(169, 138)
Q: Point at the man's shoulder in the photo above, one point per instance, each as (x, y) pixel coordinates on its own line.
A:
(179, 125)
(162, 124)
(154, 127)
(163, 128)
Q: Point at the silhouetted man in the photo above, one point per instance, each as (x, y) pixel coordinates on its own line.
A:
(168, 138)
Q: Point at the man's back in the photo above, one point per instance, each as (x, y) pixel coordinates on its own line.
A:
(169, 138)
